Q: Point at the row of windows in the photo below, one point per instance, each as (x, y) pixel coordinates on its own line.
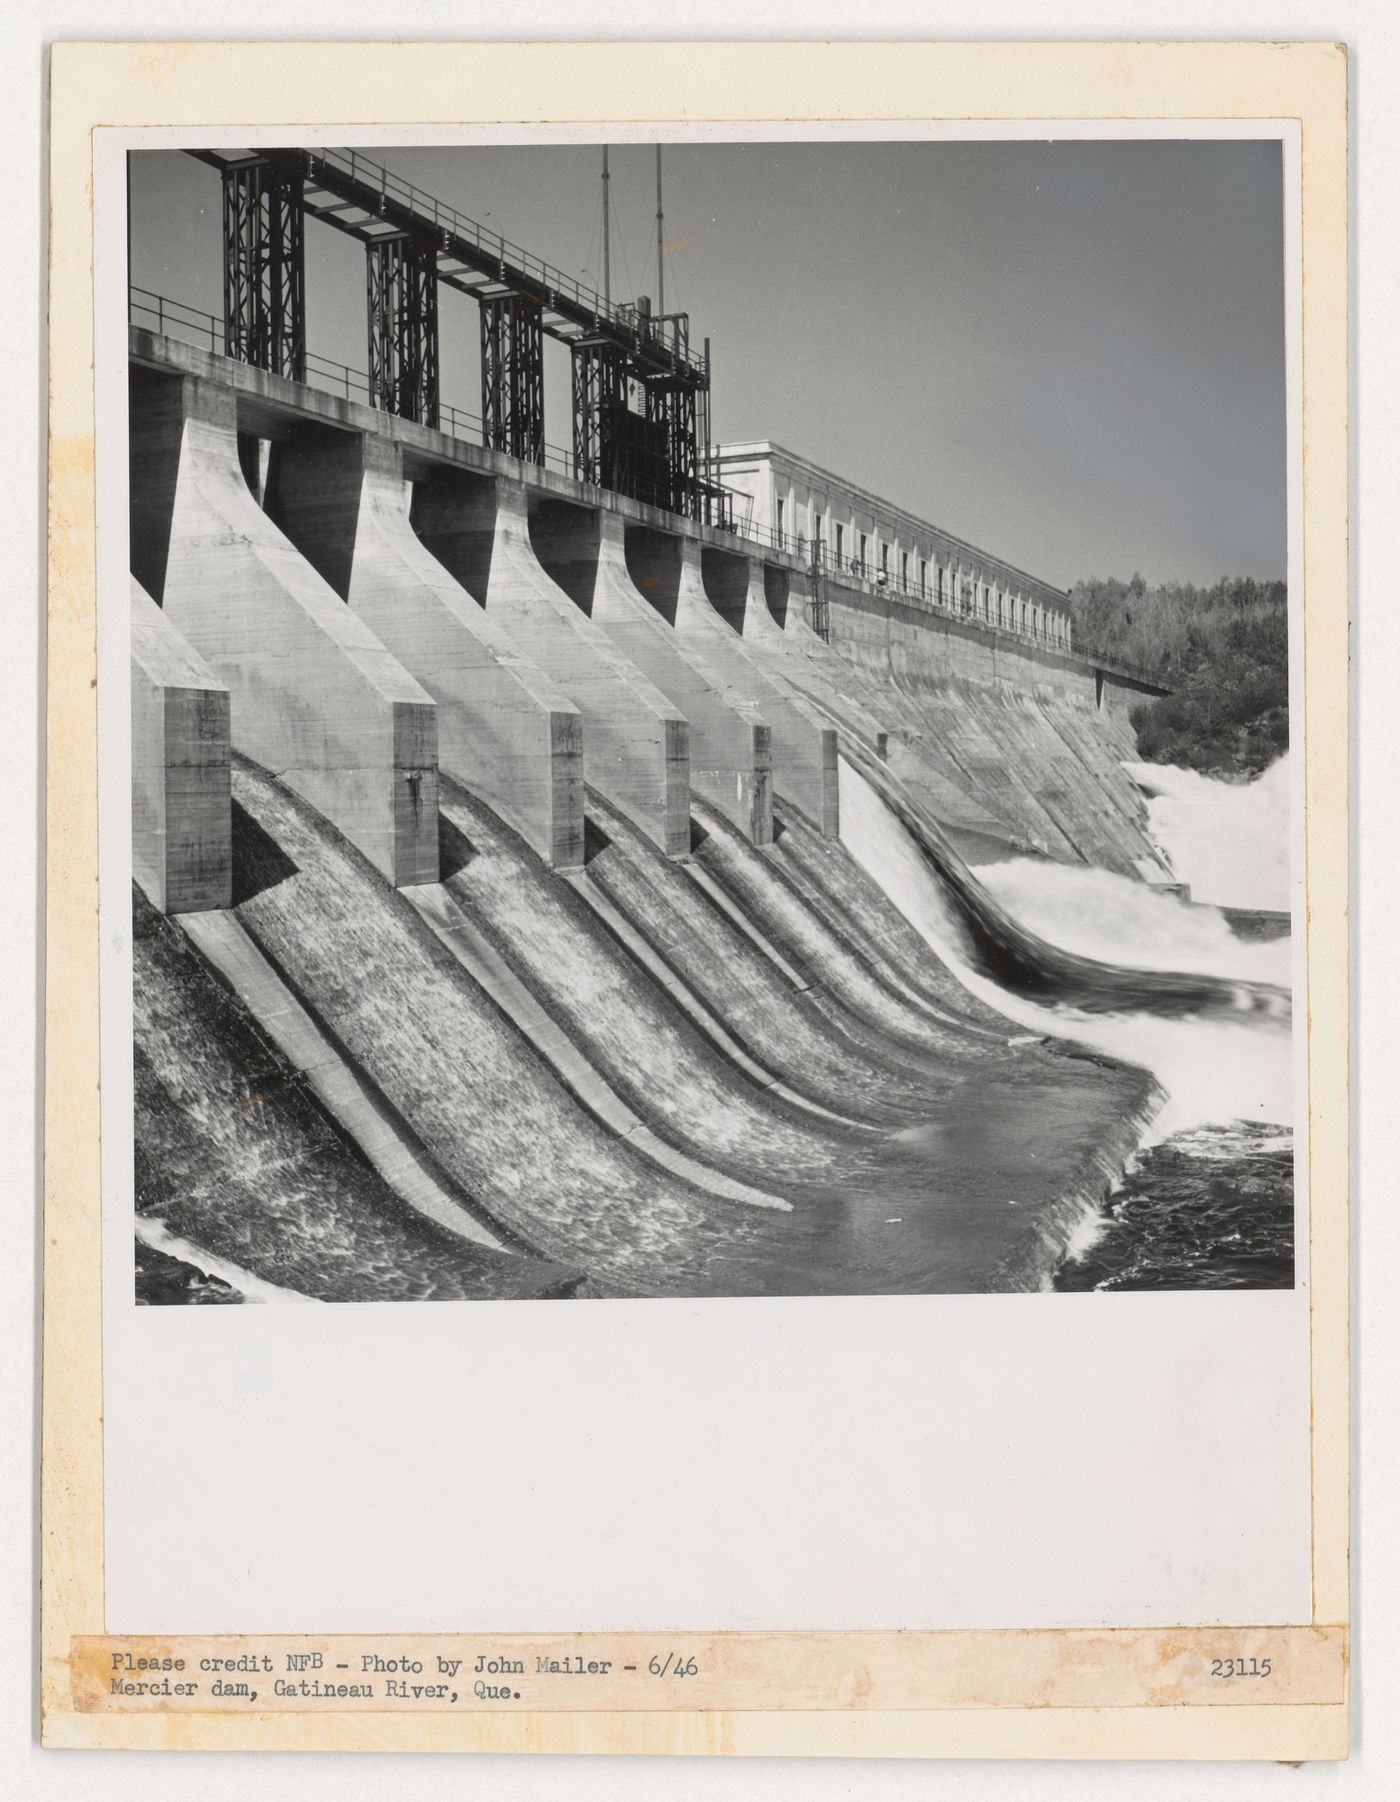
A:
(952, 586)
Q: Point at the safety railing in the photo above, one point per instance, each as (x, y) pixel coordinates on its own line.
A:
(659, 333)
(822, 561)
(173, 319)
(190, 325)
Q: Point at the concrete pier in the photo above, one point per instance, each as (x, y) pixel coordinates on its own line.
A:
(181, 813)
(314, 696)
(584, 550)
(505, 730)
(669, 573)
(796, 655)
(636, 741)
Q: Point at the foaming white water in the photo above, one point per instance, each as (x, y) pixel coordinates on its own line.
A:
(1116, 920)
(154, 1233)
(1091, 1226)
(1228, 841)
(1211, 1071)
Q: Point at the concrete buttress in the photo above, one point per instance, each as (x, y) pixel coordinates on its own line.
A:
(795, 652)
(315, 697)
(181, 811)
(668, 572)
(636, 741)
(584, 550)
(505, 729)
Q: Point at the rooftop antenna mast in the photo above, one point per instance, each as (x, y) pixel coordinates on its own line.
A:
(607, 232)
(660, 241)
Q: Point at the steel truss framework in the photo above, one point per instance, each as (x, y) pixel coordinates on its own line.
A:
(401, 275)
(671, 409)
(264, 268)
(512, 377)
(641, 399)
(599, 397)
(820, 610)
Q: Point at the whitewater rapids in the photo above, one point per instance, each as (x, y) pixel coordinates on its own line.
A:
(1228, 841)
(1215, 1067)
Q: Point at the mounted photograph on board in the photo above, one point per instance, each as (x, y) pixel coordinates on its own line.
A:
(738, 722)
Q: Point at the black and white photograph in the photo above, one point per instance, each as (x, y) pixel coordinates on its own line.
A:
(711, 719)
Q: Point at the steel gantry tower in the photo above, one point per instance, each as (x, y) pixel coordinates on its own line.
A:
(512, 376)
(403, 327)
(641, 398)
(599, 400)
(264, 267)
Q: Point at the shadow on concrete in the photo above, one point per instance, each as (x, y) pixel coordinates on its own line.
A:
(455, 849)
(595, 840)
(259, 863)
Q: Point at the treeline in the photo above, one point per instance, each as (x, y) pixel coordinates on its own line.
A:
(1224, 650)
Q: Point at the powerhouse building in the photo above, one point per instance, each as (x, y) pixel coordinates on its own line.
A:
(855, 538)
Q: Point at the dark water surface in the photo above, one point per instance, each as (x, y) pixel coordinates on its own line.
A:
(161, 1278)
(1208, 1209)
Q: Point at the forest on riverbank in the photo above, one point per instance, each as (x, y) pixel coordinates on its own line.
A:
(1223, 649)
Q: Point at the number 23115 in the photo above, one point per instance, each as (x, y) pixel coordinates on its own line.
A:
(1241, 1667)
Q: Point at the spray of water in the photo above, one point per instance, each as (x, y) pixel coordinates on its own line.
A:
(1229, 841)
(1095, 912)
(1215, 1063)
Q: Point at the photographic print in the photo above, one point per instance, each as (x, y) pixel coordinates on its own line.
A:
(710, 719)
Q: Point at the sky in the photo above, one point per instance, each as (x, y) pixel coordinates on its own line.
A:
(1070, 353)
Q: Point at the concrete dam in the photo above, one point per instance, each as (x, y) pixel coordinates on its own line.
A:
(507, 923)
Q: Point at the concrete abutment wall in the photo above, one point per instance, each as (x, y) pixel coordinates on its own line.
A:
(1027, 731)
(554, 633)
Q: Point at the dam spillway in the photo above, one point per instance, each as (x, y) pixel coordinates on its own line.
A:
(525, 798)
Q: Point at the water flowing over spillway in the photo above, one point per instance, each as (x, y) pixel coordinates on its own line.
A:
(1229, 842)
(1035, 941)
(1102, 916)
(242, 1178)
(819, 1066)
(740, 1075)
